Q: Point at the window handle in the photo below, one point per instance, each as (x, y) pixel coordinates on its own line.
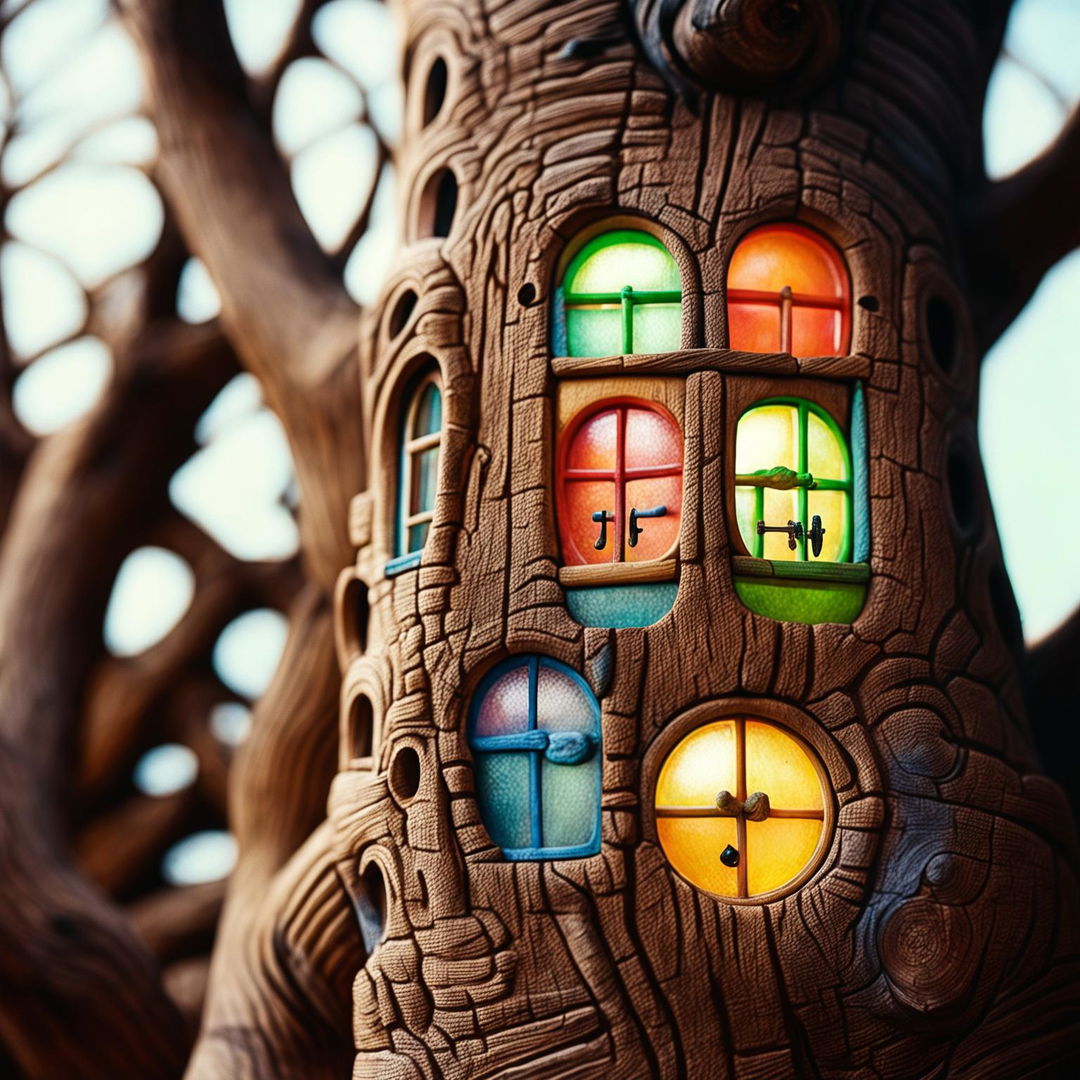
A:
(635, 529)
(603, 517)
(796, 531)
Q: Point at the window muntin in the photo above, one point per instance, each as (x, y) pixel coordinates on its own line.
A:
(622, 293)
(792, 463)
(621, 458)
(788, 291)
(534, 730)
(420, 449)
(715, 827)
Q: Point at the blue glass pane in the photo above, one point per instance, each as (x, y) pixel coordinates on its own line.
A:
(570, 797)
(426, 480)
(428, 419)
(417, 536)
(621, 605)
(502, 791)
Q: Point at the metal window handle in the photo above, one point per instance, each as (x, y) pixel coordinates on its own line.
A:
(796, 531)
(603, 517)
(635, 529)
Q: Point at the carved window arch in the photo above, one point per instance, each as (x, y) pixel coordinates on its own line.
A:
(420, 448)
(534, 731)
(788, 290)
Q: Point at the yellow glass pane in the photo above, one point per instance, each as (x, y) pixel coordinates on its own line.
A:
(780, 508)
(777, 850)
(746, 513)
(766, 437)
(779, 766)
(825, 455)
(693, 846)
(833, 508)
(700, 766)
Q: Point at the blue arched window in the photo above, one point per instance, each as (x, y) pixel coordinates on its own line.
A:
(534, 730)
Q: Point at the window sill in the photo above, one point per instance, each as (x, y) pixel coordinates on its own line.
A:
(617, 573)
(832, 572)
(728, 361)
(401, 563)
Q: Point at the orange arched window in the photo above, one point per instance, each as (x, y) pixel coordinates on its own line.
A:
(788, 291)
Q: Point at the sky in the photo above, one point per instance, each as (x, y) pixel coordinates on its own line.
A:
(85, 212)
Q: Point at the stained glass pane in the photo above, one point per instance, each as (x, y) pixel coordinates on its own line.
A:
(754, 327)
(505, 706)
(815, 332)
(502, 791)
(833, 507)
(595, 442)
(425, 480)
(652, 439)
(746, 512)
(777, 255)
(780, 508)
(777, 850)
(624, 257)
(581, 499)
(594, 330)
(562, 703)
(700, 766)
(778, 765)
(693, 846)
(767, 436)
(570, 800)
(657, 328)
(658, 535)
(428, 416)
(825, 453)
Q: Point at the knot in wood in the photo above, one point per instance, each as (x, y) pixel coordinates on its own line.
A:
(756, 807)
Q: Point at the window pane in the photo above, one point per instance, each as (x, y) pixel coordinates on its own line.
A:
(780, 508)
(657, 328)
(417, 537)
(825, 453)
(746, 512)
(428, 417)
(777, 850)
(754, 327)
(834, 508)
(595, 443)
(815, 332)
(425, 480)
(652, 439)
(658, 535)
(581, 499)
(502, 790)
(767, 436)
(594, 331)
(700, 766)
(562, 703)
(570, 797)
(505, 707)
(778, 765)
(693, 846)
(625, 257)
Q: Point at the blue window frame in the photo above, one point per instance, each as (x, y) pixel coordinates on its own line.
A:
(534, 730)
(418, 479)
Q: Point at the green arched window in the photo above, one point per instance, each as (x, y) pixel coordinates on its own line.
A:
(621, 293)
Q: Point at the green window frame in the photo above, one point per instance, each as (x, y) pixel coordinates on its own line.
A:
(802, 480)
(632, 302)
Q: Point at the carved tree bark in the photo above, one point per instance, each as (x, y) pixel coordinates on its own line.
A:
(371, 920)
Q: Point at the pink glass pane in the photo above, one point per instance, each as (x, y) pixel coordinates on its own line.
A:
(594, 443)
(505, 708)
(561, 703)
(658, 535)
(581, 499)
(652, 439)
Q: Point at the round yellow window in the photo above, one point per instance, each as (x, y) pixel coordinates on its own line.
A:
(740, 808)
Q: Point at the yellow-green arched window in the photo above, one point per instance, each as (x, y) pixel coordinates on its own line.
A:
(621, 293)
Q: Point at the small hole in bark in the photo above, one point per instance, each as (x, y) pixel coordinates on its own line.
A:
(370, 906)
(439, 204)
(963, 486)
(941, 330)
(403, 309)
(786, 18)
(361, 723)
(1005, 610)
(66, 926)
(405, 773)
(435, 90)
(869, 303)
(526, 294)
(422, 882)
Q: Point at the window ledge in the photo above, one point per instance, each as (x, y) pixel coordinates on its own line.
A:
(617, 573)
(724, 360)
(401, 563)
(854, 573)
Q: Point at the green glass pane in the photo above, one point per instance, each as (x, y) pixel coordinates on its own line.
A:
(570, 798)
(657, 328)
(802, 602)
(502, 792)
(623, 257)
(428, 418)
(594, 331)
(426, 481)
(417, 536)
(620, 606)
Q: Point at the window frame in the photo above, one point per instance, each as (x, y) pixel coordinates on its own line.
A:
(529, 741)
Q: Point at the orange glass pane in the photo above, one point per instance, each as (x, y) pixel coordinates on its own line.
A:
(595, 443)
(754, 327)
(652, 439)
(778, 850)
(658, 535)
(779, 766)
(693, 846)
(816, 332)
(581, 499)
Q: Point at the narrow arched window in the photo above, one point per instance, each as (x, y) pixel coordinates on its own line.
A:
(534, 730)
(421, 442)
(788, 291)
(621, 293)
